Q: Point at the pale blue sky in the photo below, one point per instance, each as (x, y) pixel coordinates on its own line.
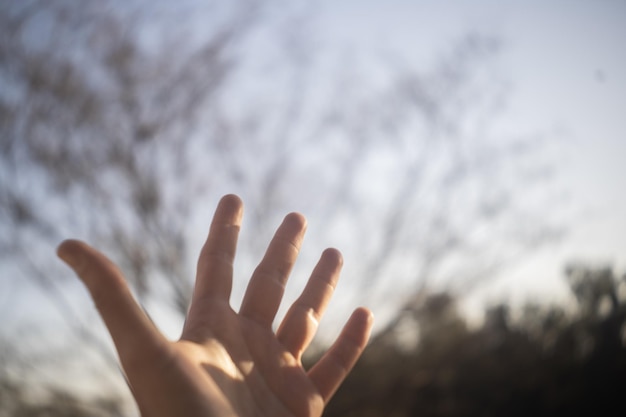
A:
(566, 63)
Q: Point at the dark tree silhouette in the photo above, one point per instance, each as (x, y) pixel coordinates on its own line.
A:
(547, 363)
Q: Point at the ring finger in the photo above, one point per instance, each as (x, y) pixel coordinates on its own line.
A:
(302, 319)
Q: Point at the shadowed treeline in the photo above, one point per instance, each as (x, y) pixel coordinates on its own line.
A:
(544, 363)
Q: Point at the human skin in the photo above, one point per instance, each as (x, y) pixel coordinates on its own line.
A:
(228, 363)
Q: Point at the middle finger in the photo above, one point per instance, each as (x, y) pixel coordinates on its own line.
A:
(268, 281)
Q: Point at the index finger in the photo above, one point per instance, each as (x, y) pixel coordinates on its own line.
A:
(215, 265)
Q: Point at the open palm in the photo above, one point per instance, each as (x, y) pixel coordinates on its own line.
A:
(228, 363)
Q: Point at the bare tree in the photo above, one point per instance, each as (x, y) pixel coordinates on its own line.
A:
(120, 132)
(100, 140)
(427, 191)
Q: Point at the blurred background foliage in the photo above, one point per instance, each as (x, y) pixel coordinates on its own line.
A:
(122, 123)
(543, 362)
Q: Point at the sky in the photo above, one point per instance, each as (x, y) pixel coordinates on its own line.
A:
(566, 67)
(566, 64)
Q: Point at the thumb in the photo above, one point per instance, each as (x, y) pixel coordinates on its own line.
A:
(132, 331)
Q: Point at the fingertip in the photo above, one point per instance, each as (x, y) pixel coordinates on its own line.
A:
(333, 255)
(296, 220)
(70, 251)
(71, 244)
(364, 315)
(229, 209)
(360, 325)
(228, 213)
(232, 201)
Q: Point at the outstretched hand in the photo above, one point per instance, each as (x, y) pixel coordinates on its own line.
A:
(228, 363)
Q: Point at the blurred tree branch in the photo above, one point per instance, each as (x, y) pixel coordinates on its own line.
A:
(118, 137)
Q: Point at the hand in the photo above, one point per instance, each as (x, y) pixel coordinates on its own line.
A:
(228, 363)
